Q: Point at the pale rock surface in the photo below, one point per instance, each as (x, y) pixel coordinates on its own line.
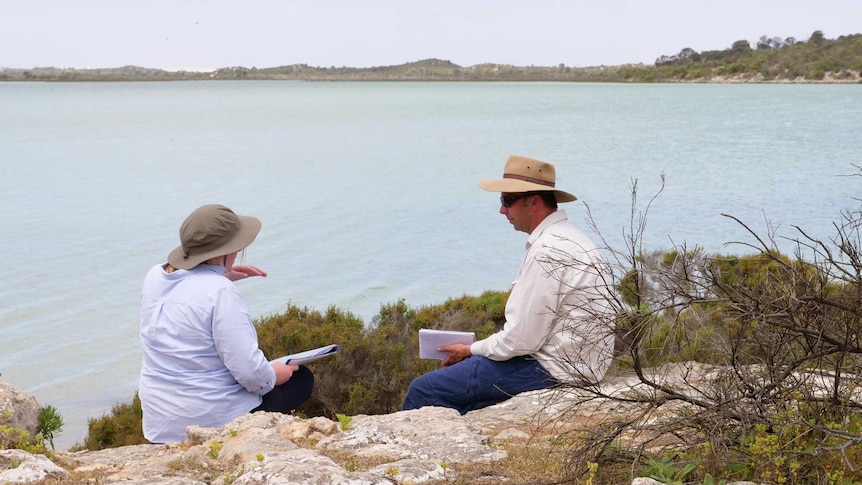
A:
(414, 471)
(269, 448)
(164, 481)
(18, 409)
(645, 481)
(404, 447)
(303, 466)
(512, 435)
(431, 433)
(27, 468)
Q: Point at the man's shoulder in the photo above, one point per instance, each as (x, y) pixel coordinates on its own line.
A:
(563, 231)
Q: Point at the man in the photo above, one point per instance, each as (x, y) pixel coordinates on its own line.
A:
(558, 318)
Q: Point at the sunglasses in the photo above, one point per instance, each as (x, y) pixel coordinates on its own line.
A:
(507, 200)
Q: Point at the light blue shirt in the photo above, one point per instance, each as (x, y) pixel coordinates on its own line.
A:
(201, 361)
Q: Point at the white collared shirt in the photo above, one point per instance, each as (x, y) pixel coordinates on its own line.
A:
(559, 310)
(201, 361)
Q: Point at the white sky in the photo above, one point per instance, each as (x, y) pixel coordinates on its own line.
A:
(207, 34)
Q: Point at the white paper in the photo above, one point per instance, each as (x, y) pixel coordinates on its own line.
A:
(308, 355)
(430, 340)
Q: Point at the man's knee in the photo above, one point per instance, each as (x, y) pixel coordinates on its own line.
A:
(419, 394)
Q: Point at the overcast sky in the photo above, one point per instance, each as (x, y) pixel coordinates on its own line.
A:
(207, 34)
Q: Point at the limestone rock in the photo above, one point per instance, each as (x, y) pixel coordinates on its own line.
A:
(271, 448)
(511, 434)
(428, 433)
(414, 446)
(645, 481)
(159, 480)
(18, 409)
(126, 462)
(414, 471)
(18, 466)
(303, 466)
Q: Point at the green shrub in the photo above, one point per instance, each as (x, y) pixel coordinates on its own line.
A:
(50, 422)
(376, 362)
(795, 444)
(12, 438)
(19, 439)
(666, 470)
(769, 320)
(344, 420)
(122, 427)
(816, 74)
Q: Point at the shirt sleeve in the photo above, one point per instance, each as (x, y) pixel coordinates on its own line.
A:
(530, 314)
(236, 343)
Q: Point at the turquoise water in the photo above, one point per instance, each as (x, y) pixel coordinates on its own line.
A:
(367, 193)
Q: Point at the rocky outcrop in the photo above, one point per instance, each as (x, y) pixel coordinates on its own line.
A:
(18, 409)
(268, 448)
(18, 466)
(404, 447)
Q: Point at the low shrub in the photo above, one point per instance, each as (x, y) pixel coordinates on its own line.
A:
(50, 422)
(121, 427)
(376, 362)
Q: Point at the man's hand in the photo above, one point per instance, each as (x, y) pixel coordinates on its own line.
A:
(243, 271)
(457, 353)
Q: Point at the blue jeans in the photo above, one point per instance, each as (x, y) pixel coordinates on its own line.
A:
(477, 382)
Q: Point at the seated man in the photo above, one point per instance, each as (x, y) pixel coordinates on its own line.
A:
(558, 317)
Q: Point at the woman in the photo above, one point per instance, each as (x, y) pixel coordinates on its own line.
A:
(201, 361)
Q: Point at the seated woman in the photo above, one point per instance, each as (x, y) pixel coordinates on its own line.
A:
(201, 361)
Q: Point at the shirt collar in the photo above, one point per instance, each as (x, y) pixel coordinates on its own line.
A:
(550, 220)
(209, 267)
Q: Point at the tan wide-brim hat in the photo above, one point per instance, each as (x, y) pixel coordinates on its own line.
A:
(523, 174)
(210, 231)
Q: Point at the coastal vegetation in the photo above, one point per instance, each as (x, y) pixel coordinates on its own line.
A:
(770, 59)
(50, 423)
(781, 330)
(779, 333)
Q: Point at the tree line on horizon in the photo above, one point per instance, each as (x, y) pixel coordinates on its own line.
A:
(771, 59)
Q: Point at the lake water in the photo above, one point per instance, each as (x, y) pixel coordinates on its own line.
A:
(367, 193)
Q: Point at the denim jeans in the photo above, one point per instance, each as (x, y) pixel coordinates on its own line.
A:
(477, 382)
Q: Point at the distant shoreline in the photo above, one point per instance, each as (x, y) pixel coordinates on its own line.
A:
(817, 60)
(855, 78)
(435, 70)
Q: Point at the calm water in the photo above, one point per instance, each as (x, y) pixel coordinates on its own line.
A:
(367, 193)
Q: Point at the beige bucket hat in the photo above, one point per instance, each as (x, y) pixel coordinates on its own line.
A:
(523, 174)
(212, 230)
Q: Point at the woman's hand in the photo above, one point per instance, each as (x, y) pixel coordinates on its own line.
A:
(243, 271)
(283, 372)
